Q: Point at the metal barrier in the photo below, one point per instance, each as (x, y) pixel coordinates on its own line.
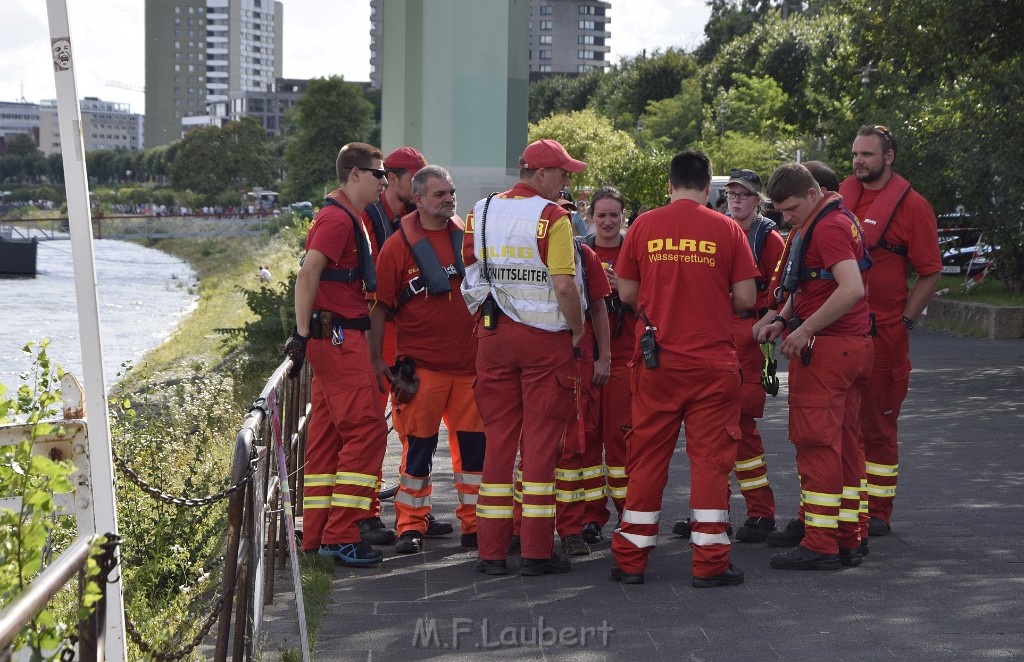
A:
(33, 599)
(258, 523)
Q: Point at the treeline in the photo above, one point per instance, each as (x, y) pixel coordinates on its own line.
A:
(773, 79)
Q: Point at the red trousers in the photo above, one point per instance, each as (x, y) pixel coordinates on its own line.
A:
(345, 443)
(751, 469)
(887, 388)
(824, 425)
(608, 452)
(440, 396)
(525, 388)
(706, 397)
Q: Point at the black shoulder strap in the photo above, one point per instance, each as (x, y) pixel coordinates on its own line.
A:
(366, 267)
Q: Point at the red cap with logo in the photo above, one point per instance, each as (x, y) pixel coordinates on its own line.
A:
(549, 154)
(405, 158)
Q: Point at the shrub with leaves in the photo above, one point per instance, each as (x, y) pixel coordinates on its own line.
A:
(27, 542)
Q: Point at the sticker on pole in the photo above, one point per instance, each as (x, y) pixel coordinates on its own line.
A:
(61, 48)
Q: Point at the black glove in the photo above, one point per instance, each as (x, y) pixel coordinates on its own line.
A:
(295, 349)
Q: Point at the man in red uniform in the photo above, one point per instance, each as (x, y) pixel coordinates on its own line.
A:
(523, 282)
(743, 198)
(604, 462)
(829, 351)
(900, 231)
(347, 435)
(686, 269)
(419, 273)
(381, 220)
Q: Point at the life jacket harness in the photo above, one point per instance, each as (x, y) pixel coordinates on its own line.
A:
(366, 270)
(882, 209)
(434, 278)
(615, 305)
(796, 272)
(383, 227)
(758, 233)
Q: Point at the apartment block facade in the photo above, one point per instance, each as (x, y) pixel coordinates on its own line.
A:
(202, 54)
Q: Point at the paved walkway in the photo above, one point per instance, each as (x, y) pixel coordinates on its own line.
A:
(946, 584)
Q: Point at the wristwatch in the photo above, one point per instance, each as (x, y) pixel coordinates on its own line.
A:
(908, 322)
(779, 318)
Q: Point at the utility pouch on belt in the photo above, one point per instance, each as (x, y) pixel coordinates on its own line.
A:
(873, 332)
(489, 314)
(405, 382)
(648, 343)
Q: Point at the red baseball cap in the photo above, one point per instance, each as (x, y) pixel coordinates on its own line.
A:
(549, 154)
(407, 158)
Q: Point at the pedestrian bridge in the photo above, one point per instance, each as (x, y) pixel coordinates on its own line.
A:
(143, 227)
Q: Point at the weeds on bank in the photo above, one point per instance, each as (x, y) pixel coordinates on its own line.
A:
(991, 291)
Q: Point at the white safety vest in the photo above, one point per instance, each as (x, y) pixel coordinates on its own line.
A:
(517, 278)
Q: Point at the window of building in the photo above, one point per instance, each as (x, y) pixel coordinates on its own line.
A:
(587, 25)
(546, 10)
(544, 68)
(586, 39)
(545, 39)
(546, 25)
(590, 10)
(545, 55)
(585, 55)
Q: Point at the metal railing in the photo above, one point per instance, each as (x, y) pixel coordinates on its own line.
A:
(257, 518)
(43, 588)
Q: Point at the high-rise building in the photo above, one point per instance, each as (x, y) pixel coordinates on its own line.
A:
(269, 106)
(105, 125)
(201, 53)
(19, 117)
(566, 37)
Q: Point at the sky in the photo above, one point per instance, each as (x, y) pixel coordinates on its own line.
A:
(321, 38)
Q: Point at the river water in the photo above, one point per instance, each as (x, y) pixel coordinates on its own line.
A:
(143, 295)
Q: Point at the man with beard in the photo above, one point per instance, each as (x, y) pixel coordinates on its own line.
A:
(900, 232)
(420, 271)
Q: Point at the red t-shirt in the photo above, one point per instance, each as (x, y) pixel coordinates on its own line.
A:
(436, 331)
(333, 234)
(686, 258)
(624, 343)
(913, 226)
(598, 287)
(833, 239)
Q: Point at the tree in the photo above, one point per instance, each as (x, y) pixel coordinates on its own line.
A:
(562, 94)
(329, 115)
(675, 123)
(587, 137)
(210, 159)
(623, 92)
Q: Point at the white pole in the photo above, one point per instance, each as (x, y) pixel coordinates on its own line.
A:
(80, 224)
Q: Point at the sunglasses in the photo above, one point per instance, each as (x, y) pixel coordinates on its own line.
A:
(748, 175)
(886, 135)
(733, 195)
(379, 173)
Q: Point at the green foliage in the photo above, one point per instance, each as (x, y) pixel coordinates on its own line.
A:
(562, 94)
(588, 137)
(673, 124)
(329, 115)
(274, 307)
(641, 176)
(623, 93)
(210, 159)
(26, 543)
(179, 437)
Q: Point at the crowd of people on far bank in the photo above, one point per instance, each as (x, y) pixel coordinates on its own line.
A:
(564, 364)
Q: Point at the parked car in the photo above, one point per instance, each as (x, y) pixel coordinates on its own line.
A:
(303, 210)
(964, 253)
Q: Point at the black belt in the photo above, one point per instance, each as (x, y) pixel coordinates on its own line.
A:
(747, 314)
(322, 321)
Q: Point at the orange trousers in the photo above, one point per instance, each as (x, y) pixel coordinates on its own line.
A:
(345, 443)
(824, 425)
(525, 388)
(750, 468)
(448, 397)
(706, 397)
(607, 453)
(880, 411)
